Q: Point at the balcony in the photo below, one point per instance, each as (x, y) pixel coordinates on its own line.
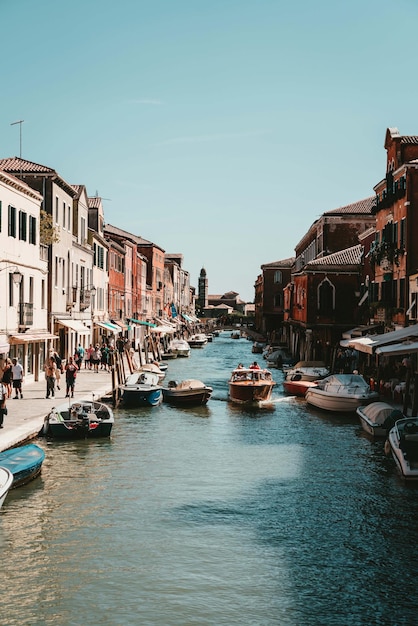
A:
(385, 254)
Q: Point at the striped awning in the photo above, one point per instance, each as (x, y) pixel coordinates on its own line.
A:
(31, 337)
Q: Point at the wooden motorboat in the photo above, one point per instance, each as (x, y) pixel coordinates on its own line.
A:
(24, 462)
(187, 393)
(79, 420)
(199, 340)
(155, 368)
(6, 481)
(142, 389)
(307, 370)
(250, 386)
(403, 444)
(377, 418)
(298, 387)
(258, 347)
(341, 393)
(179, 347)
(235, 335)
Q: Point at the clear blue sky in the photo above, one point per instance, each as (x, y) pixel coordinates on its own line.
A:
(220, 129)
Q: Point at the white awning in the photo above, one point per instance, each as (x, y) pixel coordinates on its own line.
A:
(35, 337)
(75, 325)
(4, 344)
(368, 344)
(109, 326)
(163, 329)
(398, 348)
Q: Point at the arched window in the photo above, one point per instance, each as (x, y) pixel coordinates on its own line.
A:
(277, 276)
(326, 297)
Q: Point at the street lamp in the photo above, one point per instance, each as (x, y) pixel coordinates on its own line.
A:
(17, 276)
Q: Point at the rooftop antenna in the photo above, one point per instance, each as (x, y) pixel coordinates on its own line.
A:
(97, 196)
(20, 122)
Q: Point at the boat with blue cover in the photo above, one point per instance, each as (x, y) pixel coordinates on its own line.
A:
(25, 463)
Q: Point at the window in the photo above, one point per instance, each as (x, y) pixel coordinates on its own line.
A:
(326, 297)
(12, 221)
(42, 294)
(11, 292)
(63, 214)
(69, 218)
(277, 276)
(277, 300)
(31, 289)
(23, 224)
(82, 230)
(32, 230)
(56, 209)
(402, 231)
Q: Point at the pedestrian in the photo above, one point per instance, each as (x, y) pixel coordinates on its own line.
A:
(58, 362)
(50, 376)
(3, 398)
(96, 355)
(17, 375)
(87, 361)
(7, 377)
(71, 370)
(104, 361)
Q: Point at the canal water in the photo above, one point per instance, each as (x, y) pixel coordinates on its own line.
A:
(215, 516)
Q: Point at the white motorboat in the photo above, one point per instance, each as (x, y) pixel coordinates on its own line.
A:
(199, 340)
(307, 370)
(403, 444)
(179, 347)
(377, 418)
(6, 480)
(155, 368)
(341, 393)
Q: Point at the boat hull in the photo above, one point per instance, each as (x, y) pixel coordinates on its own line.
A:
(404, 448)
(6, 481)
(142, 397)
(25, 463)
(340, 403)
(250, 393)
(297, 387)
(376, 418)
(79, 420)
(187, 398)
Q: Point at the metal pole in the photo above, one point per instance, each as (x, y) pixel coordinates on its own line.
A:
(20, 122)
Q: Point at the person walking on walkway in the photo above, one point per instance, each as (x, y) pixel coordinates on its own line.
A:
(17, 375)
(3, 408)
(50, 376)
(71, 370)
(7, 377)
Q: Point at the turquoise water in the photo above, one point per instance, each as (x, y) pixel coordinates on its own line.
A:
(218, 515)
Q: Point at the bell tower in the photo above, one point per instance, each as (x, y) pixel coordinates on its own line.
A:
(202, 299)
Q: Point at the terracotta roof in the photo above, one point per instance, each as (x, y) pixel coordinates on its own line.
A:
(95, 202)
(409, 139)
(15, 164)
(349, 256)
(283, 263)
(16, 183)
(361, 207)
(140, 241)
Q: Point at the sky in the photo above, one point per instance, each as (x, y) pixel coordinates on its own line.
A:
(218, 129)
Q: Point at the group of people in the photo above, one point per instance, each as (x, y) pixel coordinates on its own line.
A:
(11, 378)
(95, 357)
(54, 368)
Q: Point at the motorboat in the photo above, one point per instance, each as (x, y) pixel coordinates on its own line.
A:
(209, 337)
(235, 335)
(155, 368)
(258, 347)
(199, 340)
(298, 387)
(307, 370)
(250, 386)
(179, 347)
(341, 393)
(403, 445)
(83, 419)
(142, 389)
(6, 480)
(24, 462)
(377, 418)
(187, 393)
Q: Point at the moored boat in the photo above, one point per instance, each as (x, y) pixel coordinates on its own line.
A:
(403, 444)
(199, 340)
(377, 418)
(155, 368)
(6, 481)
(24, 462)
(187, 393)
(83, 419)
(341, 393)
(141, 389)
(307, 370)
(179, 347)
(298, 387)
(250, 386)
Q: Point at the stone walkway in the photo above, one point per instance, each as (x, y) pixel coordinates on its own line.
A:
(26, 416)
